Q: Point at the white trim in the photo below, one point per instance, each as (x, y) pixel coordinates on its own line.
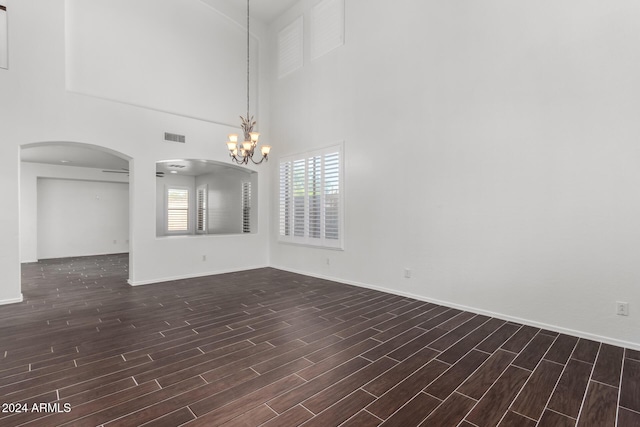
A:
(12, 300)
(533, 323)
(193, 276)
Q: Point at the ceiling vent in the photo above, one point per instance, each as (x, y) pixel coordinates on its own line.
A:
(174, 137)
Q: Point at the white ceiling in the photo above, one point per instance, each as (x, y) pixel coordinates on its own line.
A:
(264, 10)
(73, 155)
(196, 167)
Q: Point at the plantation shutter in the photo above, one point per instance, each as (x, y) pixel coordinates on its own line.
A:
(177, 209)
(201, 209)
(314, 195)
(311, 198)
(285, 198)
(299, 197)
(246, 207)
(332, 196)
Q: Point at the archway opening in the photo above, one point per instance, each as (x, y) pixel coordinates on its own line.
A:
(74, 201)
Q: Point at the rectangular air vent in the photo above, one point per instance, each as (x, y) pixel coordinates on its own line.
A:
(174, 137)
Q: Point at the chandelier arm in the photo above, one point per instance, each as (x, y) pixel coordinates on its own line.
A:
(261, 160)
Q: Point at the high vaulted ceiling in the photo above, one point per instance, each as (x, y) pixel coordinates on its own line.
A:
(72, 155)
(264, 10)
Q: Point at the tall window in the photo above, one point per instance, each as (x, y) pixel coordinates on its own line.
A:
(311, 198)
(201, 209)
(177, 210)
(246, 207)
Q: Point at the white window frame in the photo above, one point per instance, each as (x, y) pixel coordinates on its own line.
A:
(298, 231)
(189, 219)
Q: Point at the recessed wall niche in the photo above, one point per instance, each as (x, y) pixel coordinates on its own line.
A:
(205, 197)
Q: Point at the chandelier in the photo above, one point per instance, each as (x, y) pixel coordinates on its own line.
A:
(242, 153)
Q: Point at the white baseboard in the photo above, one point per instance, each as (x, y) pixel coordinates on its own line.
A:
(11, 300)
(191, 276)
(541, 325)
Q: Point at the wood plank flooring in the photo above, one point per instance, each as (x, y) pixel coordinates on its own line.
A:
(271, 348)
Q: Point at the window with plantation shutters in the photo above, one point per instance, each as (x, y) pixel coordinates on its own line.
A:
(177, 210)
(246, 207)
(201, 209)
(311, 198)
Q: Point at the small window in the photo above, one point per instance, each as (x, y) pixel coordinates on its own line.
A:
(290, 48)
(246, 207)
(311, 198)
(177, 210)
(327, 27)
(201, 209)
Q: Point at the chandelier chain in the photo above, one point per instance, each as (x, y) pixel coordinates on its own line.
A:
(241, 152)
(248, 56)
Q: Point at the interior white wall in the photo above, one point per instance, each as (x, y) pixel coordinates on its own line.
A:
(491, 147)
(35, 106)
(29, 175)
(82, 218)
(178, 48)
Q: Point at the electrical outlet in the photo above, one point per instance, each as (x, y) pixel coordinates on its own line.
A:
(115, 241)
(407, 273)
(328, 261)
(204, 257)
(622, 308)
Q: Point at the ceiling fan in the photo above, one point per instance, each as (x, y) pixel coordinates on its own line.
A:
(158, 174)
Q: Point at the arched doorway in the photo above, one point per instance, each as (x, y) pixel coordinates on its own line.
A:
(74, 201)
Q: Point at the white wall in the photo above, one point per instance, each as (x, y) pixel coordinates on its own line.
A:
(192, 56)
(491, 147)
(35, 106)
(30, 173)
(81, 218)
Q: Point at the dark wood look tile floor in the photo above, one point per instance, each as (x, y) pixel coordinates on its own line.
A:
(272, 348)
